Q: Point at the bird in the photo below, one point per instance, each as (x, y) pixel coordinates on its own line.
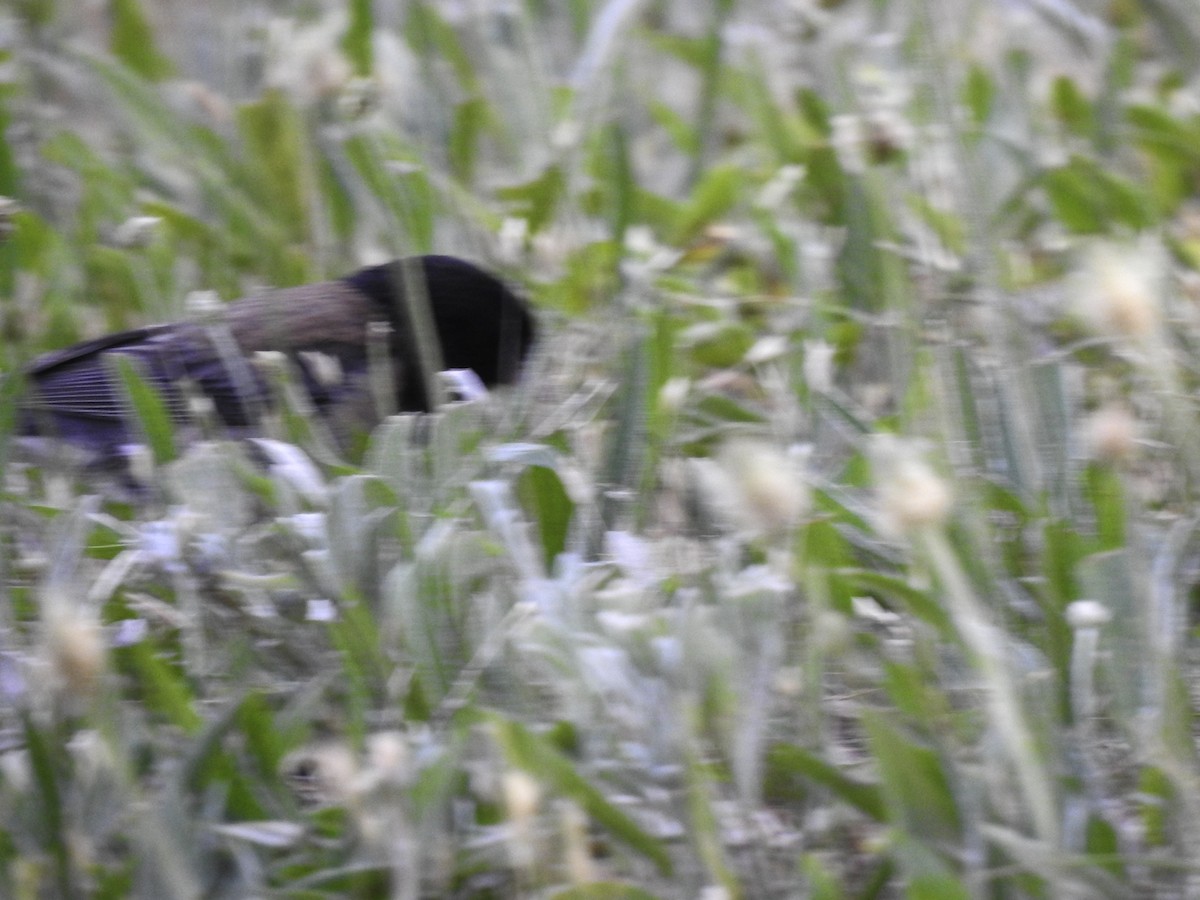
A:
(325, 329)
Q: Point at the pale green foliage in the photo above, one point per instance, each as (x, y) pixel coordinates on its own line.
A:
(840, 541)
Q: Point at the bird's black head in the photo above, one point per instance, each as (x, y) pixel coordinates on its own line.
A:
(480, 323)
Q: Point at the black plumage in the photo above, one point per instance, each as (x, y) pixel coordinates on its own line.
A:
(479, 324)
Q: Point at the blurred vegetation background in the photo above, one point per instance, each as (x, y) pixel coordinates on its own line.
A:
(841, 541)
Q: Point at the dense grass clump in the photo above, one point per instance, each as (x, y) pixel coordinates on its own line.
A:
(840, 541)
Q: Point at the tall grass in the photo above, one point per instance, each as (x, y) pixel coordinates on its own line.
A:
(840, 541)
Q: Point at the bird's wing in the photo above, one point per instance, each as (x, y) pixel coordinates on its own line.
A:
(76, 394)
(78, 381)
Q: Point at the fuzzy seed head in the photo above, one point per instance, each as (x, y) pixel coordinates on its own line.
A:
(771, 495)
(581, 868)
(1119, 287)
(912, 496)
(522, 794)
(1111, 433)
(75, 645)
(387, 758)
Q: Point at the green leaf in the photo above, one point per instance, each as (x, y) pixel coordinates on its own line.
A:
(860, 263)
(1102, 842)
(539, 758)
(1155, 798)
(356, 42)
(150, 411)
(541, 491)
(265, 742)
(340, 209)
(719, 345)
(822, 548)
(471, 117)
(10, 176)
(1072, 107)
(915, 785)
(535, 201)
(946, 225)
(589, 279)
(432, 37)
(822, 883)
(824, 193)
(936, 886)
(1106, 490)
(274, 139)
(394, 175)
(979, 93)
(132, 41)
(682, 134)
(711, 64)
(816, 112)
(614, 170)
(46, 763)
(784, 130)
(714, 196)
(355, 634)
(207, 764)
(916, 694)
(12, 388)
(1063, 549)
(604, 890)
(1089, 200)
(1167, 136)
(897, 591)
(719, 410)
(928, 877)
(113, 285)
(788, 761)
(163, 689)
